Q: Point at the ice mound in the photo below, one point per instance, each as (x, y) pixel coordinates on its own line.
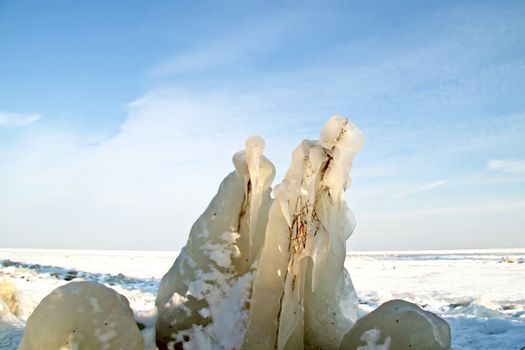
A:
(396, 325)
(258, 273)
(203, 299)
(82, 315)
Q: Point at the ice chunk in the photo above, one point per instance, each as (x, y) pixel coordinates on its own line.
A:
(11, 309)
(8, 298)
(203, 299)
(302, 295)
(82, 315)
(402, 325)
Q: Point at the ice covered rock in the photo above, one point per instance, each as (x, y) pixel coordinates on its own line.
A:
(8, 297)
(82, 315)
(396, 325)
(203, 299)
(302, 295)
(10, 322)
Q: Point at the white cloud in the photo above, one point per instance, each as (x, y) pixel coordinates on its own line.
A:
(152, 179)
(145, 186)
(18, 119)
(248, 40)
(515, 167)
(422, 188)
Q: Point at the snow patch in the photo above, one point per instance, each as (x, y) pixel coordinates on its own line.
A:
(371, 337)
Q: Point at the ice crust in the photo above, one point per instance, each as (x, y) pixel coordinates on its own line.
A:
(480, 297)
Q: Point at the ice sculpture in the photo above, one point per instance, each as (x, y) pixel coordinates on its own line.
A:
(203, 299)
(397, 325)
(302, 295)
(82, 315)
(294, 245)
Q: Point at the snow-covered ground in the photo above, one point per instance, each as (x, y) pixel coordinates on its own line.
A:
(481, 293)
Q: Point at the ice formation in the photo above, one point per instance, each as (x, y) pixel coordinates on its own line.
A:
(10, 312)
(263, 274)
(203, 299)
(82, 315)
(8, 298)
(396, 325)
(302, 295)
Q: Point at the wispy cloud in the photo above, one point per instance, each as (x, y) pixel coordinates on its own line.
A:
(419, 96)
(18, 119)
(167, 160)
(253, 39)
(422, 188)
(509, 166)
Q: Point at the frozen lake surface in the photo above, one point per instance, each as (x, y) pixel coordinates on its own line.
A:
(481, 293)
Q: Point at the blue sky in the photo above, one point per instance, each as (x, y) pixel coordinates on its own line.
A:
(118, 119)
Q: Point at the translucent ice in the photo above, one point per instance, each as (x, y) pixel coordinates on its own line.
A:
(258, 273)
(302, 295)
(82, 315)
(8, 298)
(203, 299)
(400, 325)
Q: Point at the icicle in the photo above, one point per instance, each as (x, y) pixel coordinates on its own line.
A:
(260, 178)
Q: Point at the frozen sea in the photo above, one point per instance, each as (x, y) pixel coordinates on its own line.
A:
(481, 293)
